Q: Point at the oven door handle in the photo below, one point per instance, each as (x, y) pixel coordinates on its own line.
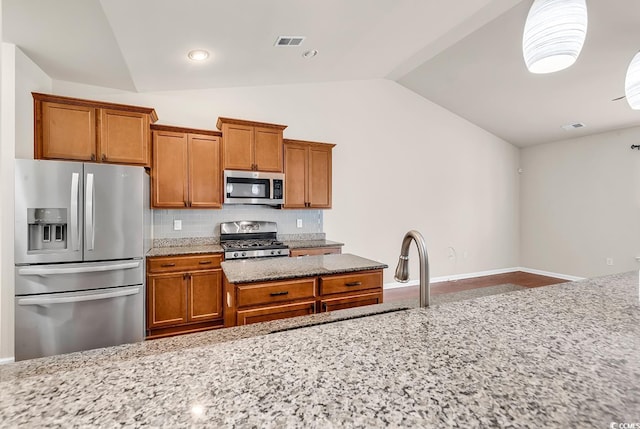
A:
(79, 298)
(47, 271)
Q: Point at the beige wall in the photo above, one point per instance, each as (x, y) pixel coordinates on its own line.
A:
(581, 204)
(19, 77)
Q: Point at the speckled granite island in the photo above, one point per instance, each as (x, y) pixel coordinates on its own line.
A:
(560, 356)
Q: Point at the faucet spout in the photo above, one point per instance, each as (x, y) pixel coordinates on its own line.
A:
(402, 270)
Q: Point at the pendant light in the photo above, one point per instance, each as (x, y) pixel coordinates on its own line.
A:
(632, 83)
(554, 34)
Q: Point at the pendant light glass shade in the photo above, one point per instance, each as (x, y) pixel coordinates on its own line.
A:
(554, 34)
(632, 83)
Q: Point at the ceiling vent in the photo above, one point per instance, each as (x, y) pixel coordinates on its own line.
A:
(574, 126)
(289, 41)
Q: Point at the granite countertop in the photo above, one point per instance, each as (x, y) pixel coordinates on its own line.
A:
(186, 246)
(300, 244)
(185, 250)
(263, 269)
(558, 356)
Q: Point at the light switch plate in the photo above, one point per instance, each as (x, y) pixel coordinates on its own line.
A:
(299, 223)
(177, 224)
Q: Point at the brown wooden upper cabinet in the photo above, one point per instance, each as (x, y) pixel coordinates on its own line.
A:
(307, 174)
(84, 130)
(186, 170)
(251, 146)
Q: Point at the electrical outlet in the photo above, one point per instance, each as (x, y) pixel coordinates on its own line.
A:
(299, 223)
(638, 258)
(609, 261)
(177, 224)
(451, 252)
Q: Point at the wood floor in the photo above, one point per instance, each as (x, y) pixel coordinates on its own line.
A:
(517, 278)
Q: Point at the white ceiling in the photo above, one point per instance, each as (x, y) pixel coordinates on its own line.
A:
(466, 58)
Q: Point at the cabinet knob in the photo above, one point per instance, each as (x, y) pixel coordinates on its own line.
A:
(93, 157)
(104, 157)
(186, 204)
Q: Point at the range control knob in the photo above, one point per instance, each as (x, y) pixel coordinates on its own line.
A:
(244, 253)
(235, 255)
(278, 252)
(273, 252)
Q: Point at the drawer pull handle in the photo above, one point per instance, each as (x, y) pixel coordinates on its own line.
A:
(284, 292)
(204, 262)
(353, 284)
(171, 264)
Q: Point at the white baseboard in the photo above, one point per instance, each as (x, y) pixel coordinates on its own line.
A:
(550, 274)
(394, 285)
(4, 361)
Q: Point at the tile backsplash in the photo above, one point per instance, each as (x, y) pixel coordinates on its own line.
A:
(205, 223)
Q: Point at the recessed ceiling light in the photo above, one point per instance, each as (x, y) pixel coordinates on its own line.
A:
(310, 54)
(198, 55)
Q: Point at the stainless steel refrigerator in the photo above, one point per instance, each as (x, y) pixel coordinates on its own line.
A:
(81, 233)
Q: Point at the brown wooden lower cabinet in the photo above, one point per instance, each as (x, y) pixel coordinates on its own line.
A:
(263, 301)
(265, 314)
(331, 304)
(184, 294)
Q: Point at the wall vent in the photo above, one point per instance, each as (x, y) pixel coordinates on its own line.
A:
(573, 126)
(289, 41)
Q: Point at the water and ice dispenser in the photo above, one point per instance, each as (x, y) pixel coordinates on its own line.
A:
(47, 228)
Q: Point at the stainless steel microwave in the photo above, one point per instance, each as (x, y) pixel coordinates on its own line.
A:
(253, 187)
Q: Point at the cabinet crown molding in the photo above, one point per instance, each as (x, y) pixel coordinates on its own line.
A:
(37, 96)
(176, 129)
(222, 120)
(307, 142)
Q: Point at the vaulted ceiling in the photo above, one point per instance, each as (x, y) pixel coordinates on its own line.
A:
(466, 57)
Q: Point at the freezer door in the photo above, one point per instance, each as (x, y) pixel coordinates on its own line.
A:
(113, 212)
(38, 279)
(48, 211)
(67, 322)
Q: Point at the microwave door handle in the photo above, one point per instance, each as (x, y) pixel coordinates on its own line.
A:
(89, 214)
(75, 225)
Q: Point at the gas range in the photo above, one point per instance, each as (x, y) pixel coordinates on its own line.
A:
(251, 239)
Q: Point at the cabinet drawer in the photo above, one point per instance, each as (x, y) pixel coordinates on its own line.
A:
(166, 264)
(265, 314)
(332, 304)
(350, 282)
(266, 293)
(314, 251)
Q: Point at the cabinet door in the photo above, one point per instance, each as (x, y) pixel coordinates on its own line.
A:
(169, 174)
(264, 314)
(68, 132)
(166, 300)
(237, 141)
(205, 296)
(124, 137)
(268, 149)
(319, 177)
(295, 161)
(332, 304)
(205, 177)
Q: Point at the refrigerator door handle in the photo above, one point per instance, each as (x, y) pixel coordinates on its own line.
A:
(75, 225)
(79, 298)
(90, 216)
(47, 271)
